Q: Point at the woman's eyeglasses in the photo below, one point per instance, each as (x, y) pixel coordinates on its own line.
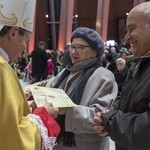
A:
(78, 48)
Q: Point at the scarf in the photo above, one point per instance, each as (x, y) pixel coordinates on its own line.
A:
(87, 67)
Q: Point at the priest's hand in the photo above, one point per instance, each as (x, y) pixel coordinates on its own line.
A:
(28, 94)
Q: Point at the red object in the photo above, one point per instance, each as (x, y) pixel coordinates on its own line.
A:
(50, 123)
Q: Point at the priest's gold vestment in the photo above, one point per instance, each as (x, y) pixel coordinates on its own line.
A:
(16, 131)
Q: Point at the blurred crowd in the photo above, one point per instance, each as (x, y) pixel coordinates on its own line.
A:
(116, 58)
(24, 65)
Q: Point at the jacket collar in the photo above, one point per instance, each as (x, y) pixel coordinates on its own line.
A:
(136, 65)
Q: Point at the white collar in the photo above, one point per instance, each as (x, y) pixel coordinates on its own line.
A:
(4, 54)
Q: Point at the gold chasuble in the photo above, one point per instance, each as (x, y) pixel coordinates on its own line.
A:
(16, 131)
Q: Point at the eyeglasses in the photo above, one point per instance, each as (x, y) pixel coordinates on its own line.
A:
(78, 48)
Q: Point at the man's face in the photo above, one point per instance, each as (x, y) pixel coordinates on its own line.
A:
(18, 44)
(138, 34)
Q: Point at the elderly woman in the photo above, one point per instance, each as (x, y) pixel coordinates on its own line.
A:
(90, 86)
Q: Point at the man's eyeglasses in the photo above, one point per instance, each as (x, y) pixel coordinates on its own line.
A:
(78, 48)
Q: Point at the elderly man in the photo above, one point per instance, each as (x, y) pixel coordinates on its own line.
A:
(129, 123)
(20, 129)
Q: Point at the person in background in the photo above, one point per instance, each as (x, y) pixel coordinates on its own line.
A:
(66, 60)
(39, 62)
(50, 65)
(20, 129)
(120, 73)
(20, 66)
(129, 124)
(110, 63)
(55, 63)
(90, 86)
(114, 53)
(28, 72)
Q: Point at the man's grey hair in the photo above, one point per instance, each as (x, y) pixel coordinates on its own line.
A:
(142, 9)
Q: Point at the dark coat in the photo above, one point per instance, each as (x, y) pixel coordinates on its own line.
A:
(39, 64)
(22, 63)
(120, 76)
(112, 67)
(129, 125)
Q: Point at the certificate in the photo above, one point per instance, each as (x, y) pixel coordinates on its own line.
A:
(56, 96)
(44, 82)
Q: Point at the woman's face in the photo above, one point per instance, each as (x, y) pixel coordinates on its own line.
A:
(80, 50)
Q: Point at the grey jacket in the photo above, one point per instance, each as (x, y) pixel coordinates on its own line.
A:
(99, 93)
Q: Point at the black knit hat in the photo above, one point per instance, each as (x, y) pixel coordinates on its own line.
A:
(90, 36)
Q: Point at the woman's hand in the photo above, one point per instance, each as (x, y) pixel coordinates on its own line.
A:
(53, 111)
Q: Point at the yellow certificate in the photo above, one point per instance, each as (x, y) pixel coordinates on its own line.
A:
(55, 96)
